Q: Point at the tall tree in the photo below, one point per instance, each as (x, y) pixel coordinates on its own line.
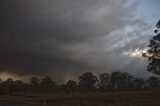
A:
(139, 83)
(121, 81)
(8, 85)
(153, 52)
(18, 86)
(1, 87)
(47, 85)
(87, 82)
(104, 83)
(71, 86)
(34, 84)
(153, 82)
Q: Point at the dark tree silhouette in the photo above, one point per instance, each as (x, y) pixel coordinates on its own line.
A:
(8, 86)
(18, 86)
(153, 82)
(158, 24)
(104, 84)
(71, 86)
(153, 52)
(139, 83)
(62, 87)
(116, 81)
(34, 84)
(47, 85)
(2, 90)
(121, 81)
(87, 82)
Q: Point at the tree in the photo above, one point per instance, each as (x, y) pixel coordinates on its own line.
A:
(18, 86)
(121, 81)
(87, 82)
(2, 91)
(139, 83)
(8, 85)
(62, 87)
(47, 85)
(71, 86)
(26, 88)
(153, 82)
(153, 53)
(34, 84)
(104, 84)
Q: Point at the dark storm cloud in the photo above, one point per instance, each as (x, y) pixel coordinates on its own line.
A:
(32, 35)
(63, 36)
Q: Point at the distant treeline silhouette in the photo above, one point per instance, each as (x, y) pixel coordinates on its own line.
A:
(88, 82)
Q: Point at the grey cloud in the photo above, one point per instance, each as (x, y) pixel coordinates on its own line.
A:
(65, 36)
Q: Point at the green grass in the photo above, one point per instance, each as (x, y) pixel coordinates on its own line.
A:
(146, 98)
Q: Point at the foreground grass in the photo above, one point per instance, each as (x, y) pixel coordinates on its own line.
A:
(147, 98)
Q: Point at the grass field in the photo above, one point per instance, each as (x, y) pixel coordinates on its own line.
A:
(147, 98)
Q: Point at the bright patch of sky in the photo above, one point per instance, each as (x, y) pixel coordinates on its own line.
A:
(149, 11)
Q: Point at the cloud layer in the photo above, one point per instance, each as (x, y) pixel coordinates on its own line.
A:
(68, 37)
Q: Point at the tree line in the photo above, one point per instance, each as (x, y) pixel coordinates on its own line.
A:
(88, 82)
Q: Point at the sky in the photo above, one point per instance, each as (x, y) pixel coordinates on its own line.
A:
(65, 38)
